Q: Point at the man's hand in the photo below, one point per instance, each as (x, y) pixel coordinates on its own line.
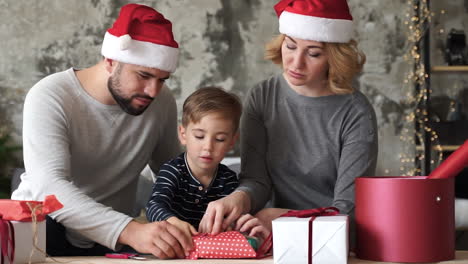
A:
(220, 214)
(185, 227)
(252, 225)
(161, 239)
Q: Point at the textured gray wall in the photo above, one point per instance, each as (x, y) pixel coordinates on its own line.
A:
(221, 44)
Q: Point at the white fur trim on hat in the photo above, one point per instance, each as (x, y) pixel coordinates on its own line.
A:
(315, 28)
(140, 53)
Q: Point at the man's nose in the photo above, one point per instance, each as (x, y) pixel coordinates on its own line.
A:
(153, 88)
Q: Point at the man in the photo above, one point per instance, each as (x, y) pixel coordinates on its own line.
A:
(88, 134)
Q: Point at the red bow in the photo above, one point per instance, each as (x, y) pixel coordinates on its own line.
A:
(281, 6)
(313, 213)
(7, 240)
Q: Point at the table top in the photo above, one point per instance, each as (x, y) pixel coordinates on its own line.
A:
(461, 257)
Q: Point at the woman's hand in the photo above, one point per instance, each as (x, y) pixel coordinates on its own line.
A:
(183, 226)
(220, 214)
(253, 226)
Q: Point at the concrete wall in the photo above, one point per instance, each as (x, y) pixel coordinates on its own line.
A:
(221, 44)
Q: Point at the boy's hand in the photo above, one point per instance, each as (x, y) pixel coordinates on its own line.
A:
(183, 226)
(220, 214)
(252, 225)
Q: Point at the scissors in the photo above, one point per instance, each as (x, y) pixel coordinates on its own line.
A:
(124, 256)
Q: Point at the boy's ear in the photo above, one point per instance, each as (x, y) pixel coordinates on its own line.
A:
(182, 135)
(234, 139)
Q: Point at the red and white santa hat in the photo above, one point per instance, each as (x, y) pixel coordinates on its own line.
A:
(141, 36)
(318, 20)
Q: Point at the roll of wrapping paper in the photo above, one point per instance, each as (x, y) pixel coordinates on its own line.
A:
(453, 165)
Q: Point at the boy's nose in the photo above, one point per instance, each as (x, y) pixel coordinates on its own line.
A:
(208, 145)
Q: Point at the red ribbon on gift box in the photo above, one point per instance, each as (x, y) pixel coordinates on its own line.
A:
(7, 240)
(312, 213)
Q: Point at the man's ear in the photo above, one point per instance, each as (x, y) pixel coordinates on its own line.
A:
(110, 65)
(182, 135)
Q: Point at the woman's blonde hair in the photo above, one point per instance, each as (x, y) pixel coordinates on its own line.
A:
(345, 61)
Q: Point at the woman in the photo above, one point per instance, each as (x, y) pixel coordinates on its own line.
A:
(306, 133)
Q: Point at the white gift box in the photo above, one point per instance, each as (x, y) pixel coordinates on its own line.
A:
(329, 240)
(24, 242)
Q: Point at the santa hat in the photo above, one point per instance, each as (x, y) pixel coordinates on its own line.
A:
(319, 20)
(141, 36)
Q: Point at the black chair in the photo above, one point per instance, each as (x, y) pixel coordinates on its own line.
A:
(15, 176)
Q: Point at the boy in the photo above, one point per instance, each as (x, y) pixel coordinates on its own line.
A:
(185, 185)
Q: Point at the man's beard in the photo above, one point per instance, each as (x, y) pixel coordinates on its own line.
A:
(114, 86)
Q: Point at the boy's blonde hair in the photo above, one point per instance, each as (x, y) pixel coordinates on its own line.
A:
(209, 100)
(345, 61)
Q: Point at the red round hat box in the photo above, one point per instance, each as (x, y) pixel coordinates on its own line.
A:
(405, 219)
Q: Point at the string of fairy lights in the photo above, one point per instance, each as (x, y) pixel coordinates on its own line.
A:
(417, 21)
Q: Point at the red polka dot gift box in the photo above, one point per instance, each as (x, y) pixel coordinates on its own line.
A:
(231, 244)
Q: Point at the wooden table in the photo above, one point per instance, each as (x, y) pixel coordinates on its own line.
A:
(461, 257)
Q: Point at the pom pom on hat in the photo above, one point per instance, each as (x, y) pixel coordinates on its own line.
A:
(141, 36)
(318, 20)
(125, 41)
